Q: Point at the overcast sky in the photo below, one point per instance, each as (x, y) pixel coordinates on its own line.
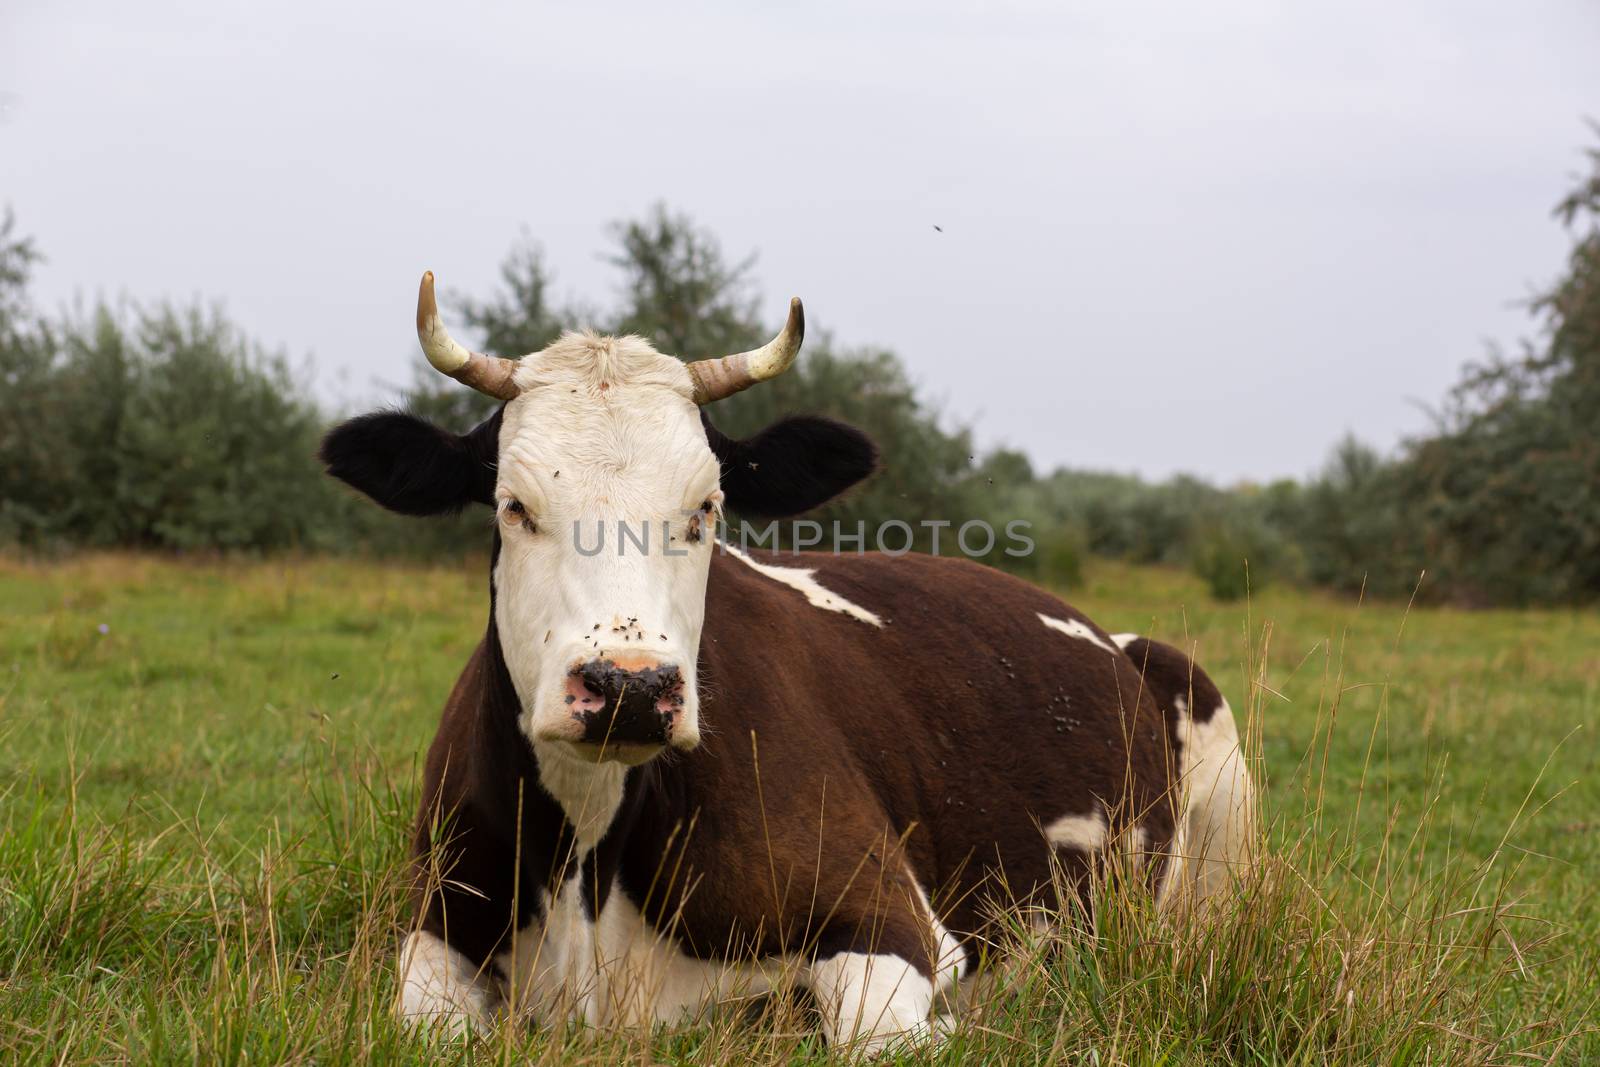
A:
(1176, 237)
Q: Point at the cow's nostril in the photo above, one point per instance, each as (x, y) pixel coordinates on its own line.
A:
(627, 702)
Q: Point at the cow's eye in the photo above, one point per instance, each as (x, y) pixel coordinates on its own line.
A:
(515, 513)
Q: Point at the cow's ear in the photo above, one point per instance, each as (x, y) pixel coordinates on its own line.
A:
(791, 466)
(410, 465)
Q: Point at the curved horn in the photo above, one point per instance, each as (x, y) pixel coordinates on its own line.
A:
(486, 374)
(717, 378)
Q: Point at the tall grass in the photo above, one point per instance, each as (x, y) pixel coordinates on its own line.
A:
(1370, 931)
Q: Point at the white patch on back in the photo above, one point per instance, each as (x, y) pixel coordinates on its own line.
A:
(1091, 834)
(589, 793)
(1087, 833)
(1124, 640)
(1074, 628)
(440, 987)
(803, 580)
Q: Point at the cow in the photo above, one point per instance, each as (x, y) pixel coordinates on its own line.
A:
(674, 778)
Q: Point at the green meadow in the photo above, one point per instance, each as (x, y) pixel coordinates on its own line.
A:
(207, 771)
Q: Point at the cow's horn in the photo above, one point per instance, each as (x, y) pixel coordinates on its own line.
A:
(486, 374)
(717, 378)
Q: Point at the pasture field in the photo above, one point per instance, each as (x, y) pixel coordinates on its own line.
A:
(207, 770)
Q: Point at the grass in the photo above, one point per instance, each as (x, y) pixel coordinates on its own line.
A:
(207, 771)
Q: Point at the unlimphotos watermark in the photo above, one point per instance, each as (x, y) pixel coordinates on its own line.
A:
(974, 538)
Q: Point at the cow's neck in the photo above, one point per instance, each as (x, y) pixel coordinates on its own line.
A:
(568, 804)
(590, 794)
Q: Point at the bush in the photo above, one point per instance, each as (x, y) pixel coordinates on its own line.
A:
(1057, 559)
(1222, 559)
(164, 429)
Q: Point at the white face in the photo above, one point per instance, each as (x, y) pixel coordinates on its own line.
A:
(604, 439)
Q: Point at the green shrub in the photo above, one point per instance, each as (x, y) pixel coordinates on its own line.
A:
(162, 429)
(1057, 559)
(1221, 559)
(1238, 558)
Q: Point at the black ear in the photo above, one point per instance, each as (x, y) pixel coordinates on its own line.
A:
(410, 465)
(791, 466)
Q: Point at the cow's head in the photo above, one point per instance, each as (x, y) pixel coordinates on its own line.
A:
(607, 483)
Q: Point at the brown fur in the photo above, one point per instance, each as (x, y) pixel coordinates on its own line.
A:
(1171, 674)
(838, 761)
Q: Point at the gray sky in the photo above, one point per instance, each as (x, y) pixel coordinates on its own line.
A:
(1201, 237)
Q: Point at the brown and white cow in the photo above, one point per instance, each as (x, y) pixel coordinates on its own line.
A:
(673, 777)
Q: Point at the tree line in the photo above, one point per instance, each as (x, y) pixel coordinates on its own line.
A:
(164, 427)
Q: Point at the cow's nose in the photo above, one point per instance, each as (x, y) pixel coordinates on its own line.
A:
(625, 703)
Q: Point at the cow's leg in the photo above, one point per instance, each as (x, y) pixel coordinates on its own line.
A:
(869, 1001)
(440, 987)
